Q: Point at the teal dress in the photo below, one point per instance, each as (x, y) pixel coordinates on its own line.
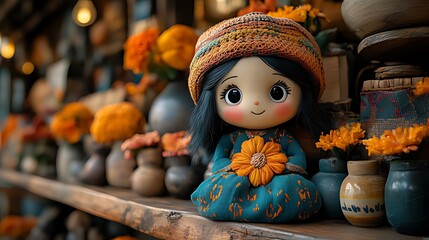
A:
(227, 196)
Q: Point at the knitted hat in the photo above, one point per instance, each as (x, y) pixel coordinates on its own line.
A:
(251, 35)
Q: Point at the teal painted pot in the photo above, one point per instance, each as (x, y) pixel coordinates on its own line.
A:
(407, 196)
(328, 182)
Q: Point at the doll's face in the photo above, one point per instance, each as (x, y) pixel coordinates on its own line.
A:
(254, 96)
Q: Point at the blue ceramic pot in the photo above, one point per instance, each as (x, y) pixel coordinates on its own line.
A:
(407, 196)
(328, 182)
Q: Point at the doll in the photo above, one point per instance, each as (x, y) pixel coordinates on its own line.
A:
(250, 76)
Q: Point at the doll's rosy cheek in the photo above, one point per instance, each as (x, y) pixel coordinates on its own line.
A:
(284, 109)
(233, 114)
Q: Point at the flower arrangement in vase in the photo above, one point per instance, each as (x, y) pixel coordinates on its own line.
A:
(112, 125)
(342, 143)
(397, 143)
(406, 194)
(164, 54)
(69, 126)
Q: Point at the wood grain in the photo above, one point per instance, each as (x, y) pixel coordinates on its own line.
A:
(400, 45)
(170, 218)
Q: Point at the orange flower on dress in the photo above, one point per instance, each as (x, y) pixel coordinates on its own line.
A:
(259, 161)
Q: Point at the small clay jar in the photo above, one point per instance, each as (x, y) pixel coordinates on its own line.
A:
(175, 161)
(119, 169)
(150, 156)
(362, 194)
(148, 179)
(181, 181)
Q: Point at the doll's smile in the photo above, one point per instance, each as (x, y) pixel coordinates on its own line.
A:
(259, 113)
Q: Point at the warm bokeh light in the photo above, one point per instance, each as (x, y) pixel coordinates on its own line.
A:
(84, 13)
(7, 49)
(27, 68)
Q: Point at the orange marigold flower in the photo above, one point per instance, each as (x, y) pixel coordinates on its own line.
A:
(176, 46)
(298, 14)
(399, 140)
(342, 137)
(422, 87)
(73, 121)
(137, 50)
(175, 144)
(117, 122)
(259, 161)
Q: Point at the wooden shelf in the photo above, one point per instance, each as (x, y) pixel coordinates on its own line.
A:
(170, 218)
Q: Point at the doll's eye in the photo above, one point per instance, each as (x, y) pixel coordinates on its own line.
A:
(279, 92)
(232, 95)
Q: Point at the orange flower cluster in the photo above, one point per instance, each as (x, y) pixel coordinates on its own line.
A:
(399, 140)
(305, 14)
(259, 161)
(175, 144)
(258, 6)
(422, 87)
(116, 122)
(147, 52)
(138, 50)
(341, 138)
(176, 46)
(73, 121)
(139, 141)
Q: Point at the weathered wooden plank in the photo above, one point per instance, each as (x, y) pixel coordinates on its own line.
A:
(170, 218)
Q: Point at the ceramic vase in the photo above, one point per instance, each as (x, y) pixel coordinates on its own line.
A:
(181, 181)
(170, 110)
(119, 169)
(70, 161)
(407, 196)
(148, 179)
(94, 170)
(328, 180)
(362, 194)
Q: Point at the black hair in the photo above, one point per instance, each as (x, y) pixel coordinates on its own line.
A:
(206, 127)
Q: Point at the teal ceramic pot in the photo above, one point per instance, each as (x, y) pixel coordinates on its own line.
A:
(407, 196)
(328, 182)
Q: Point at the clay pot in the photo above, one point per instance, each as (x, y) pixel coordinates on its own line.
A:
(150, 156)
(362, 194)
(181, 181)
(170, 110)
(176, 161)
(407, 196)
(328, 180)
(119, 169)
(148, 181)
(70, 161)
(94, 170)
(367, 17)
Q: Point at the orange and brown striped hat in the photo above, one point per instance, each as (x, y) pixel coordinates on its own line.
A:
(255, 34)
